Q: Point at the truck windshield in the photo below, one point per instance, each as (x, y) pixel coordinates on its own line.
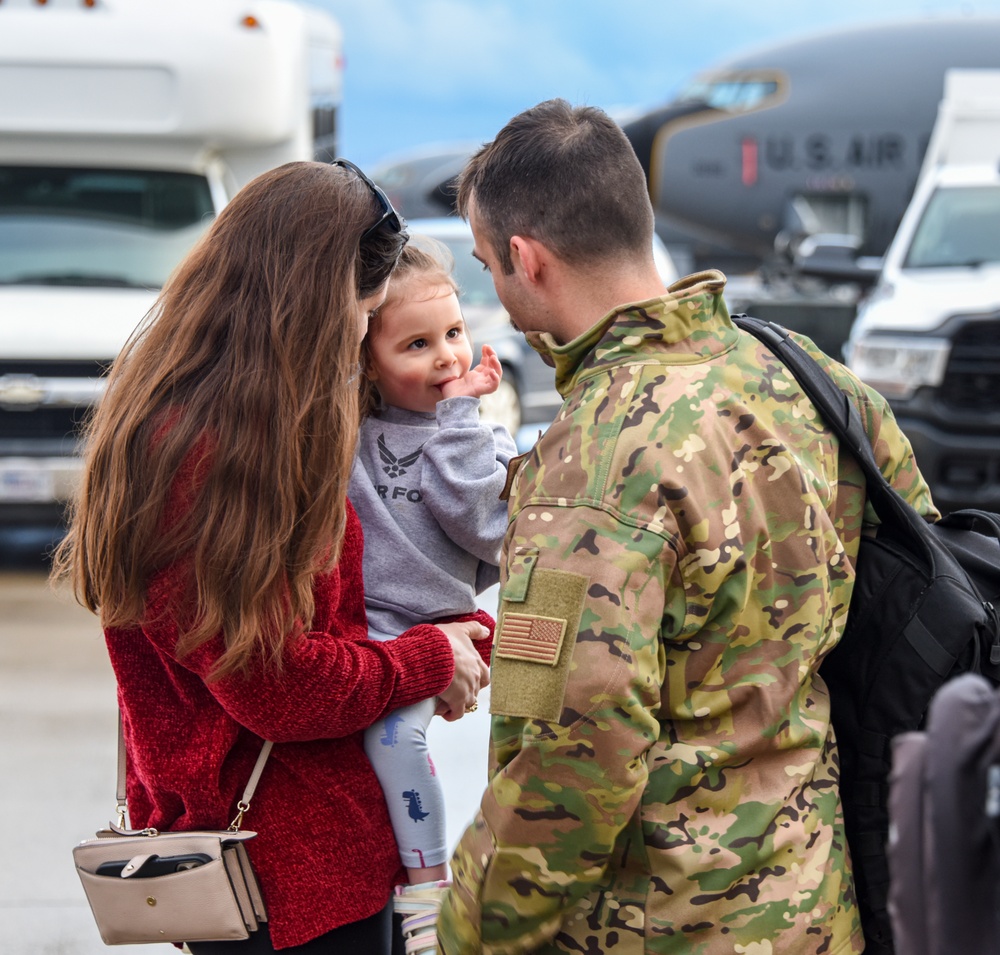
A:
(959, 228)
(97, 227)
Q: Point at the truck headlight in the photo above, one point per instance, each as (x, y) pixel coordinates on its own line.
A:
(898, 366)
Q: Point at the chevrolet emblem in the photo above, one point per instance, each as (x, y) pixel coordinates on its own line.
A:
(21, 392)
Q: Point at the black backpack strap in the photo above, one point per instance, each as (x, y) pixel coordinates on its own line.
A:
(841, 417)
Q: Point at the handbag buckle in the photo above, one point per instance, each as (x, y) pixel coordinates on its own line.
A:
(242, 806)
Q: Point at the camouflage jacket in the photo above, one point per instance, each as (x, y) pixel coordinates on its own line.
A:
(680, 558)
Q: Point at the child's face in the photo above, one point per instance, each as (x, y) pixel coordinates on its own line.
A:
(422, 343)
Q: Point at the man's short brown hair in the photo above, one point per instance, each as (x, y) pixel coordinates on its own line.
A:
(566, 176)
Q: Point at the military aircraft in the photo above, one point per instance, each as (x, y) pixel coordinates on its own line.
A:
(822, 134)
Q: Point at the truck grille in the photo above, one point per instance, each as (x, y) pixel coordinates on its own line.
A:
(83, 368)
(972, 378)
(59, 413)
(41, 422)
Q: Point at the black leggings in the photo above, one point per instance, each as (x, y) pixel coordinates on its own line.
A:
(370, 936)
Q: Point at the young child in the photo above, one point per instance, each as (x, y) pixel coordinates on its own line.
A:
(426, 485)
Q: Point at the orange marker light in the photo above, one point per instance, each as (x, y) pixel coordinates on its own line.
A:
(250, 21)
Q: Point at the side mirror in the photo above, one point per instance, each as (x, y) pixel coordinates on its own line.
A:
(834, 258)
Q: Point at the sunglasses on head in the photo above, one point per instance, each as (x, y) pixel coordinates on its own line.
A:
(389, 215)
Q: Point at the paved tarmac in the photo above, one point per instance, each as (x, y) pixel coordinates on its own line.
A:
(57, 764)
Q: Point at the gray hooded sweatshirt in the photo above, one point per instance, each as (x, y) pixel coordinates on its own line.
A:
(427, 490)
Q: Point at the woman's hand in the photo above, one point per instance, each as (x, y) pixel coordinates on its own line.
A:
(471, 674)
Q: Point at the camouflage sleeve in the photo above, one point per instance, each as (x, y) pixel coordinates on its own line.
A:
(891, 446)
(577, 671)
(895, 456)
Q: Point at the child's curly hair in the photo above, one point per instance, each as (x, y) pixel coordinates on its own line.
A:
(424, 262)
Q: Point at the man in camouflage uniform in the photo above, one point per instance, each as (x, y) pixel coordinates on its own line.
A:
(679, 559)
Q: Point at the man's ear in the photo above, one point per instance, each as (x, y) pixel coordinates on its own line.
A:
(528, 256)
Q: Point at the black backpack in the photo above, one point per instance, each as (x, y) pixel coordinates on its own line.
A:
(922, 612)
(944, 841)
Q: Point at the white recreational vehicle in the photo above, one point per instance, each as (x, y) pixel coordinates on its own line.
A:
(125, 126)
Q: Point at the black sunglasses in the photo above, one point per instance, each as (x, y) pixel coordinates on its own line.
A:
(389, 215)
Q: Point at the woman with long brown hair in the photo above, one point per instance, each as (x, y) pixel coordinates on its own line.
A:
(213, 536)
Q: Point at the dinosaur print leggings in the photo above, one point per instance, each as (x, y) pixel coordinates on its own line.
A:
(397, 748)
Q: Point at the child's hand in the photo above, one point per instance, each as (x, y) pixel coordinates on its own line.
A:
(484, 379)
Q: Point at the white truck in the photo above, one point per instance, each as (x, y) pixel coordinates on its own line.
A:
(125, 126)
(928, 335)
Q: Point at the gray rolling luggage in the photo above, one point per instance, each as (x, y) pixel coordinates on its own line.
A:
(944, 840)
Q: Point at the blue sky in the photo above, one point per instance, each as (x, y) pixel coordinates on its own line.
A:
(431, 71)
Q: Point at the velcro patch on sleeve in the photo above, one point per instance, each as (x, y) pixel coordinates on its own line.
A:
(532, 639)
(536, 639)
(513, 466)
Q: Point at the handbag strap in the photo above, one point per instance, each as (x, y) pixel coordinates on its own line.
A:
(842, 417)
(243, 805)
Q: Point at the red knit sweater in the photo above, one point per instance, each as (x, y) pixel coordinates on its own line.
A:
(325, 853)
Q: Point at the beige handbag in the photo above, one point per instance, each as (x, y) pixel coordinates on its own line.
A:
(150, 886)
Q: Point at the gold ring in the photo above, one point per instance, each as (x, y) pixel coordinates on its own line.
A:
(473, 708)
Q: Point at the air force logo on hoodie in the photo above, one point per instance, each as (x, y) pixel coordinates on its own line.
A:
(396, 467)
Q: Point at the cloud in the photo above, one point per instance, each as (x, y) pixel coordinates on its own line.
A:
(587, 50)
(425, 70)
(453, 49)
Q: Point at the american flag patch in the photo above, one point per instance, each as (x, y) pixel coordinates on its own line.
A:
(533, 639)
